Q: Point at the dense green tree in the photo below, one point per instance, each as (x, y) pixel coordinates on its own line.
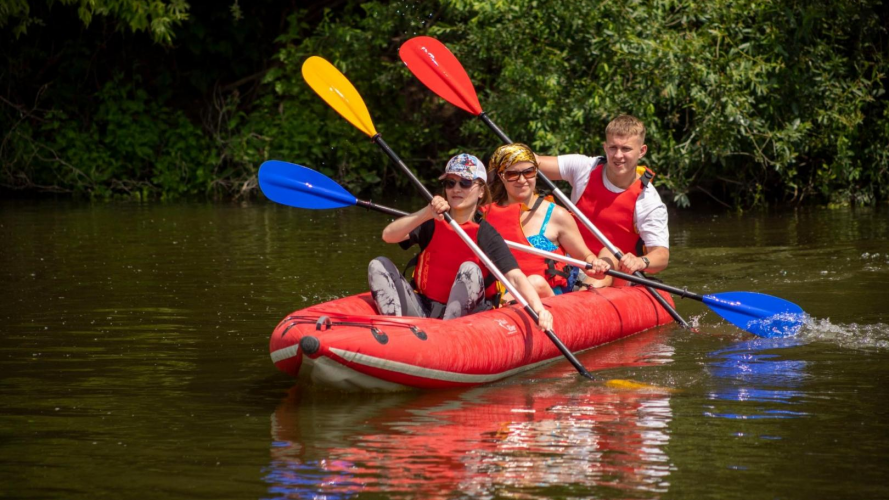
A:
(747, 102)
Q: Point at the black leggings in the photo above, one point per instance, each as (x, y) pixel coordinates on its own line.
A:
(394, 296)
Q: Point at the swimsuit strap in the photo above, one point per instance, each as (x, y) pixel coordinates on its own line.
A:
(549, 213)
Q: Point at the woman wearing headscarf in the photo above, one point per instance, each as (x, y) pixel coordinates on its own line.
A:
(520, 214)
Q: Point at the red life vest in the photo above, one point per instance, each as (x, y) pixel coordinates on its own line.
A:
(611, 213)
(438, 263)
(506, 221)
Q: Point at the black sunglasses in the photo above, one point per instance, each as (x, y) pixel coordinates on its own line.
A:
(513, 175)
(450, 183)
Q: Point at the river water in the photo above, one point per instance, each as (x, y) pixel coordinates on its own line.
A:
(134, 361)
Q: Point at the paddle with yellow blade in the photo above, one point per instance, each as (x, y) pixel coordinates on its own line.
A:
(434, 65)
(337, 91)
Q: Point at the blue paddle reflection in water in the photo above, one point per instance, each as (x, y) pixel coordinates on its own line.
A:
(751, 372)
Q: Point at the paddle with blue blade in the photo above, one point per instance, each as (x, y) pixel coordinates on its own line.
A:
(434, 65)
(757, 313)
(760, 314)
(339, 93)
(301, 187)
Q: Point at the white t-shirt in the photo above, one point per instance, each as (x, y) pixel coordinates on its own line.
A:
(650, 216)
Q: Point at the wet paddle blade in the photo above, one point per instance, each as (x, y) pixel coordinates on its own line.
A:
(337, 91)
(301, 187)
(760, 314)
(434, 65)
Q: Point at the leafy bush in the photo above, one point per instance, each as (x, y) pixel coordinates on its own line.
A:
(132, 145)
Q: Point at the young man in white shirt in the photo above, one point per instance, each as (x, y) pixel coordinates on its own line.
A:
(618, 198)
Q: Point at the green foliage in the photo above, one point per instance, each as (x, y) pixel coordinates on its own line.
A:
(133, 145)
(746, 102)
(157, 17)
(362, 41)
(107, 113)
(743, 97)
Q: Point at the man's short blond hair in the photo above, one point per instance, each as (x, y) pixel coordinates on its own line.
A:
(626, 126)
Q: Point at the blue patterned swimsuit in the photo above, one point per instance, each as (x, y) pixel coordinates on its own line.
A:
(543, 243)
(539, 240)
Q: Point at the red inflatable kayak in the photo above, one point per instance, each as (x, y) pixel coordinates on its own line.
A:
(345, 344)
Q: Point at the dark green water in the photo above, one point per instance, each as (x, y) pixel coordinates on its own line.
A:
(134, 361)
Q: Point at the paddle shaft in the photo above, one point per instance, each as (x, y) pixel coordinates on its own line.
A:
(611, 272)
(379, 208)
(710, 300)
(560, 258)
(320, 191)
(378, 139)
(587, 223)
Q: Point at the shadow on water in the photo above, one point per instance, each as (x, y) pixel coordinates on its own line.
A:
(549, 433)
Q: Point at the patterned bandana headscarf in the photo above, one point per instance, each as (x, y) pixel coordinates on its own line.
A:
(509, 154)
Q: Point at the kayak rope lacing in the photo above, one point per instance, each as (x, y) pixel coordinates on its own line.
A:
(324, 322)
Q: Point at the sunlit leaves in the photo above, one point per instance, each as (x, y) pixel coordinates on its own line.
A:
(157, 17)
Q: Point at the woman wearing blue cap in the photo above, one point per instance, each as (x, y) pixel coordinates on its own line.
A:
(449, 280)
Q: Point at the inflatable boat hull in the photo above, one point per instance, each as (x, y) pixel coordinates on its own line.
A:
(344, 344)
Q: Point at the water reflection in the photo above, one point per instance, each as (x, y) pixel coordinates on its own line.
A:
(756, 375)
(552, 434)
(134, 348)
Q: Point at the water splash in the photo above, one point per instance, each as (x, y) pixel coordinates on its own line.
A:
(779, 325)
(695, 320)
(847, 335)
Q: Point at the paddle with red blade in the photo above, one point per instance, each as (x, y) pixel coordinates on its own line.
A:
(434, 65)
